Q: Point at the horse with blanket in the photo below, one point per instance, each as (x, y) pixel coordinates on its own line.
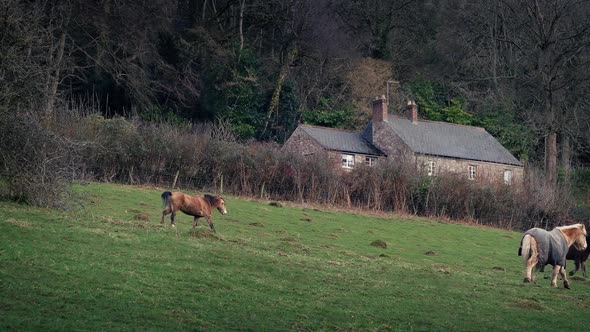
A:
(539, 247)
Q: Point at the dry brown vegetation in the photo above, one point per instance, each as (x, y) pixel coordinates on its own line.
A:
(70, 145)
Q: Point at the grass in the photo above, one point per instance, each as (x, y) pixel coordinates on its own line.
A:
(109, 264)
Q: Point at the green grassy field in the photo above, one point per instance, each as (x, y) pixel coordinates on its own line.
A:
(269, 269)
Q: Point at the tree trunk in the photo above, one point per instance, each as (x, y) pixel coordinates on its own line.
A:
(241, 24)
(53, 75)
(274, 102)
(551, 157)
(566, 156)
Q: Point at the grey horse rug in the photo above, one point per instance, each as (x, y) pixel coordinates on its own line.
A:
(552, 246)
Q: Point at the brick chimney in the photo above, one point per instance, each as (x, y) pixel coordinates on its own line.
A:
(380, 109)
(412, 111)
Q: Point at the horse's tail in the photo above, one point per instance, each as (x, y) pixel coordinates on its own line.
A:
(166, 199)
(525, 247)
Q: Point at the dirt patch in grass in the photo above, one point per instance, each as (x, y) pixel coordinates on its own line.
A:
(239, 241)
(337, 263)
(281, 231)
(231, 220)
(276, 204)
(293, 243)
(305, 219)
(578, 278)
(431, 253)
(205, 233)
(256, 224)
(529, 304)
(20, 223)
(499, 268)
(142, 216)
(444, 269)
(379, 244)
(348, 253)
(330, 236)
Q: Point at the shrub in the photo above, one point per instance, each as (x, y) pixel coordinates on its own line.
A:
(34, 161)
(208, 157)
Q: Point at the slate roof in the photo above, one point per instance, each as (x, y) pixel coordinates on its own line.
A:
(448, 140)
(340, 140)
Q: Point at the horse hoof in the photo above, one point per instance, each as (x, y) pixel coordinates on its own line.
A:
(526, 280)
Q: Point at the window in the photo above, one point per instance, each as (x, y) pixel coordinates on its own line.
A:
(508, 177)
(472, 172)
(347, 161)
(431, 168)
(370, 161)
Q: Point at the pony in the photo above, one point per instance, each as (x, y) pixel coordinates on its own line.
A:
(579, 257)
(539, 247)
(197, 207)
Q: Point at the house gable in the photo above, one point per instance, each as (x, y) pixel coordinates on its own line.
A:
(302, 143)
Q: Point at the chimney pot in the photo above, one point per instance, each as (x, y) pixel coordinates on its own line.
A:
(412, 111)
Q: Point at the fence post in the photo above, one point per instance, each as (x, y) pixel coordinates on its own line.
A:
(175, 178)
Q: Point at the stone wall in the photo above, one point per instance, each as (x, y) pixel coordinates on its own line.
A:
(485, 170)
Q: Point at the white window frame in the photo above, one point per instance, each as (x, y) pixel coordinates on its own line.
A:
(431, 168)
(347, 160)
(508, 180)
(370, 161)
(472, 172)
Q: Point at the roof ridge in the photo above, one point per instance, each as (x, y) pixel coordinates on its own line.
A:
(441, 122)
(330, 128)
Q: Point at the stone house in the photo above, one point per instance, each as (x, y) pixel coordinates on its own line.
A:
(434, 147)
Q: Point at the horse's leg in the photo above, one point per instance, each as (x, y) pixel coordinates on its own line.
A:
(583, 262)
(211, 224)
(196, 222)
(164, 213)
(556, 270)
(566, 283)
(172, 219)
(577, 262)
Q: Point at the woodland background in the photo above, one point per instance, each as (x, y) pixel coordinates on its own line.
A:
(135, 91)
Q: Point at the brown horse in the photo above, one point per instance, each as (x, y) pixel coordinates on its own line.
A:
(579, 257)
(539, 247)
(193, 206)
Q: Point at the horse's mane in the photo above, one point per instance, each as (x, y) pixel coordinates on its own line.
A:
(571, 230)
(210, 198)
